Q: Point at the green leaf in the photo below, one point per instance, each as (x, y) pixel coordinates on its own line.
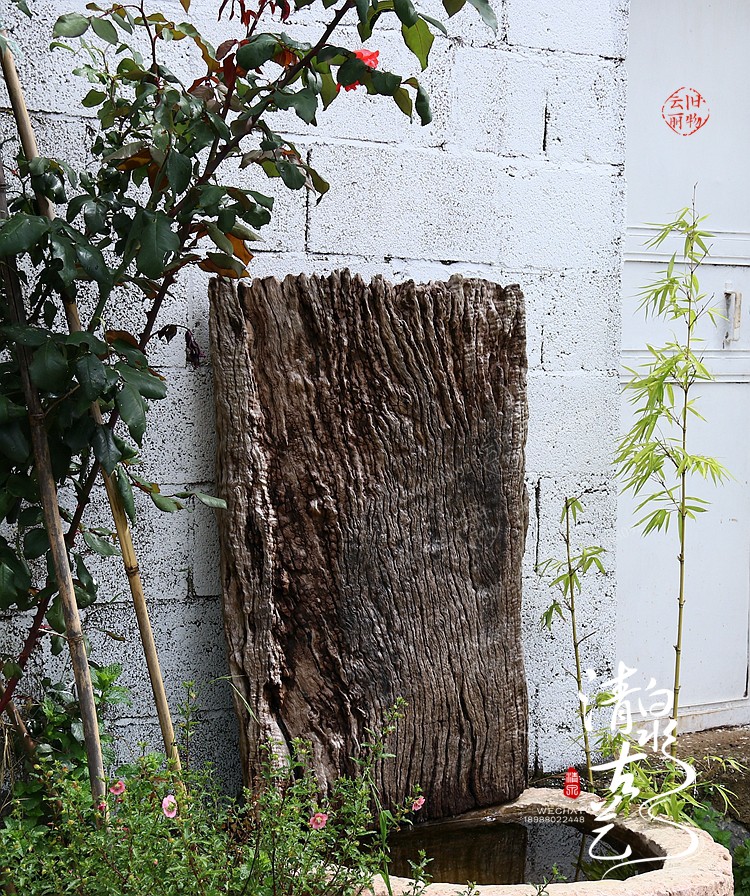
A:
(72, 24)
(179, 171)
(403, 101)
(422, 105)
(105, 449)
(165, 503)
(149, 385)
(351, 71)
(93, 98)
(208, 500)
(485, 11)
(385, 83)
(49, 368)
(35, 544)
(125, 489)
(84, 576)
(452, 7)
(304, 102)
(419, 39)
(132, 410)
(10, 411)
(99, 545)
(363, 9)
(405, 11)
(105, 29)
(259, 49)
(8, 590)
(292, 175)
(55, 616)
(157, 241)
(93, 263)
(91, 373)
(19, 233)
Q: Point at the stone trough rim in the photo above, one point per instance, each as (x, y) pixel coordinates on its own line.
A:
(706, 872)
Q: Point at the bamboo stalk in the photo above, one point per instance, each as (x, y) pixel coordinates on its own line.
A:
(28, 142)
(58, 548)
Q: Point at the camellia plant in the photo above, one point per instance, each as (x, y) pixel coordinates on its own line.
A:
(157, 199)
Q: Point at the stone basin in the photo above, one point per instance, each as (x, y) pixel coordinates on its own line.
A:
(706, 872)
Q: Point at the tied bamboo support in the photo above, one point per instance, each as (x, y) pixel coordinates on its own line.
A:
(122, 526)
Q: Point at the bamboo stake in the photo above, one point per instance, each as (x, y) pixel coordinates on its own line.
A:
(53, 525)
(130, 561)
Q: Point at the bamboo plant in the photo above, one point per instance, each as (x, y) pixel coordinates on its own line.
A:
(654, 459)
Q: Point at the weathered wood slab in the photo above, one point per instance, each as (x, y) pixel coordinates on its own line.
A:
(371, 452)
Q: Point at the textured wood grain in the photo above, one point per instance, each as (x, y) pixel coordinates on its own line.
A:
(371, 452)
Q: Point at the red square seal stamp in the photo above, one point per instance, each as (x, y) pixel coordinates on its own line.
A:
(685, 111)
(572, 788)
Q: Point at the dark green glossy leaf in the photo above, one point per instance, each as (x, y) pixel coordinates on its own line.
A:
(422, 105)
(105, 449)
(259, 49)
(93, 98)
(100, 545)
(304, 102)
(133, 411)
(10, 411)
(56, 617)
(13, 443)
(351, 71)
(72, 24)
(405, 11)
(179, 171)
(19, 233)
(92, 375)
(146, 383)
(385, 83)
(35, 544)
(8, 590)
(293, 176)
(125, 489)
(49, 368)
(158, 241)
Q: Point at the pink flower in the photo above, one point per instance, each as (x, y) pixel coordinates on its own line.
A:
(118, 787)
(101, 806)
(169, 806)
(417, 804)
(318, 821)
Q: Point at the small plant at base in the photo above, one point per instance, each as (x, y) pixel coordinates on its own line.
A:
(654, 452)
(567, 577)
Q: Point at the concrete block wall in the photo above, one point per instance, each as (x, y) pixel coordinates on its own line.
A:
(519, 178)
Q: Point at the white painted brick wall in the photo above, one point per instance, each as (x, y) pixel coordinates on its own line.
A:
(518, 179)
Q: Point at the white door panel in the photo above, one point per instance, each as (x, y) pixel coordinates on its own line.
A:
(703, 46)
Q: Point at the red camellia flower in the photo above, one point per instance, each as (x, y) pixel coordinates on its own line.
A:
(370, 59)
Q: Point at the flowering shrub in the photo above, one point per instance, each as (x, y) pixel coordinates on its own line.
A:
(284, 839)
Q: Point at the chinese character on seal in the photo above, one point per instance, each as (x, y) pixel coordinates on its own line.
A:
(685, 111)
